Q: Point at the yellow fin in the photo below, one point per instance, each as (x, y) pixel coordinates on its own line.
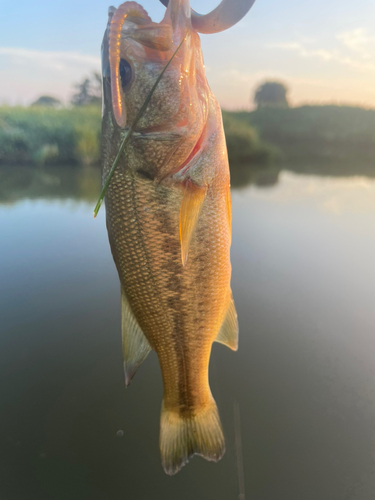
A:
(134, 343)
(228, 334)
(191, 205)
(182, 436)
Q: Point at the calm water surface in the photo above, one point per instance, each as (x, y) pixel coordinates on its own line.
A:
(303, 258)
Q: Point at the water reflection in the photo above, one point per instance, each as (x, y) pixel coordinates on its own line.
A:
(66, 182)
(303, 378)
(74, 183)
(265, 175)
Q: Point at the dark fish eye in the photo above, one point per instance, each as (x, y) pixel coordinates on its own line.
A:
(126, 73)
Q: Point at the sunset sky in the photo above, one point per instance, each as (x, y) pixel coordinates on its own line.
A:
(323, 51)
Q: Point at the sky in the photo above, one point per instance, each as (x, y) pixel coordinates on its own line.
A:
(323, 51)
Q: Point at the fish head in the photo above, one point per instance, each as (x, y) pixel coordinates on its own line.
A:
(135, 50)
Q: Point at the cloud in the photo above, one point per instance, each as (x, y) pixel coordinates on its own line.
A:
(55, 60)
(360, 42)
(324, 54)
(356, 41)
(26, 74)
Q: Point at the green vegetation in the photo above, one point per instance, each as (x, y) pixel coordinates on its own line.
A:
(339, 133)
(244, 145)
(43, 135)
(248, 155)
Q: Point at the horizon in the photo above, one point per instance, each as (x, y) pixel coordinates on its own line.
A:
(323, 53)
(68, 105)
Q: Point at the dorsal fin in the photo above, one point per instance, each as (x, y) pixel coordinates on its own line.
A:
(228, 334)
(134, 343)
(191, 205)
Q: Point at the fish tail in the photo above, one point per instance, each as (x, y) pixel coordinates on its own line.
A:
(182, 436)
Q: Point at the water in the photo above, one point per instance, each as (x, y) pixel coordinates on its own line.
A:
(297, 400)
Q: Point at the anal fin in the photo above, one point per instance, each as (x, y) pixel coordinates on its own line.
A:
(228, 334)
(191, 205)
(134, 343)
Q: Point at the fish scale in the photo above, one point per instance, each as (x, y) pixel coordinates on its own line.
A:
(168, 218)
(174, 307)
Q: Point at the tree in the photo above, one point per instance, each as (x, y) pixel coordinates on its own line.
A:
(89, 92)
(48, 101)
(271, 95)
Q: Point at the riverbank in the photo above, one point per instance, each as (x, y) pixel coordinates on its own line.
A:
(45, 136)
(341, 133)
(269, 136)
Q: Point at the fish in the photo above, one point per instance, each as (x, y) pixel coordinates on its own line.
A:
(168, 215)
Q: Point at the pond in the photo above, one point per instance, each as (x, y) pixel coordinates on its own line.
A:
(297, 401)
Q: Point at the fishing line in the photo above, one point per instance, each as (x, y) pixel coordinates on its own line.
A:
(130, 132)
(238, 444)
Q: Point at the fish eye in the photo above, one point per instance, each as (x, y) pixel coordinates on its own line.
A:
(126, 73)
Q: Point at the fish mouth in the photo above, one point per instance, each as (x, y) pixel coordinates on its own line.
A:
(130, 26)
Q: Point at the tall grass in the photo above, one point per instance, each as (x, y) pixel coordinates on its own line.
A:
(41, 135)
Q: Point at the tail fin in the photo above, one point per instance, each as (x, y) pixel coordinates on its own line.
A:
(181, 437)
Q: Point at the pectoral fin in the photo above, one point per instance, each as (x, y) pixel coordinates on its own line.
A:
(134, 343)
(191, 205)
(228, 334)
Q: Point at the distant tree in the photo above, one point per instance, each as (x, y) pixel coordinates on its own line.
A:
(48, 101)
(89, 92)
(271, 95)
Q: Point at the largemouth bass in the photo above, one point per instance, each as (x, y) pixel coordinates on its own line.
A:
(168, 213)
